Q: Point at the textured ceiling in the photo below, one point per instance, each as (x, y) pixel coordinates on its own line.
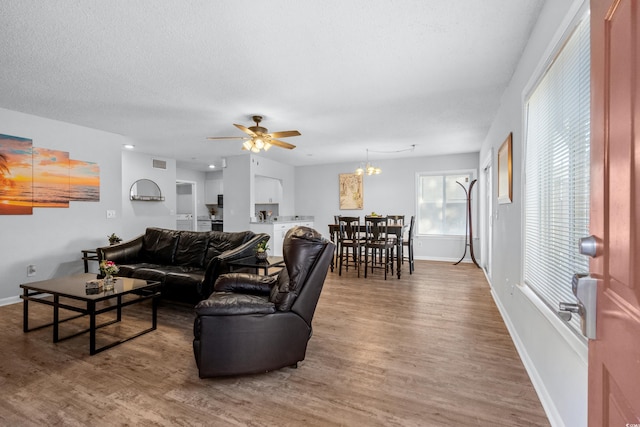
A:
(350, 75)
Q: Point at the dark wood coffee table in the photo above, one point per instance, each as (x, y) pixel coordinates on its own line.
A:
(70, 293)
(272, 262)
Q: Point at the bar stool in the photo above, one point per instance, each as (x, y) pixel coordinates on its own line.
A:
(349, 242)
(377, 241)
(408, 242)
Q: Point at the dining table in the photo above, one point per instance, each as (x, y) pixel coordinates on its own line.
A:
(396, 229)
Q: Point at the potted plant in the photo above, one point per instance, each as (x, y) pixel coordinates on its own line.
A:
(113, 239)
(261, 250)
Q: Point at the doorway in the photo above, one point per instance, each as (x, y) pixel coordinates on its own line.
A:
(186, 218)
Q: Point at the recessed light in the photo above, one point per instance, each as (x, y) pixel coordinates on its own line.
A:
(129, 146)
(212, 166)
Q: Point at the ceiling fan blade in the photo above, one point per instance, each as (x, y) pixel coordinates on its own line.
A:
(285, 134)
(282, 144)
(245, 129)
(227, 137)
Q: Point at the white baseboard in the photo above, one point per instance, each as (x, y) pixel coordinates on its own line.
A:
(545, 399)
(9, 300)
(452, 260)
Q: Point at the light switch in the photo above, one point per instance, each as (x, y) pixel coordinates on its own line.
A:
(111, 213)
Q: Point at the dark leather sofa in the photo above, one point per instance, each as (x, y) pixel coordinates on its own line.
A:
(186, 262)
(252, 323)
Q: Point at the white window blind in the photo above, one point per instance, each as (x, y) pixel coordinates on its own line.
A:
(557, 173)
(442, 203)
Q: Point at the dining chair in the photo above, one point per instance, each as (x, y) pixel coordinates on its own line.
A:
(408, 242)
(397, 220)
(349, 243)
(378, 242)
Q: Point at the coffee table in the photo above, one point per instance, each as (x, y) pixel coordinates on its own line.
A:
(64, 291)
(251, 262)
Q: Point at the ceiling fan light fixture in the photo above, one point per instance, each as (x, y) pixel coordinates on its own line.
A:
(259, 137)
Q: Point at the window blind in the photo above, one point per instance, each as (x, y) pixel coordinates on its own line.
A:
(557, 162)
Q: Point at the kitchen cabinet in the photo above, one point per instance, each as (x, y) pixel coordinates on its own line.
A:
(276, 232)
(267, 190)
(212, 187)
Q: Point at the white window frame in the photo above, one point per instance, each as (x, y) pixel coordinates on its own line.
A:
(569, 331)
(471, 172)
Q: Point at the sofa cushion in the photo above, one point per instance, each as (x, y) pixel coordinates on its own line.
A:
(150, 273)
(191, 248)
(222, 241)
(159, 245)
(229, 303)
(126, 270)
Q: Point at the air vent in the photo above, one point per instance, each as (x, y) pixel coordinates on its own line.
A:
(159, 164)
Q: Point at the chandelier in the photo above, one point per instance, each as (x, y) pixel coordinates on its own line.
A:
(368, 168)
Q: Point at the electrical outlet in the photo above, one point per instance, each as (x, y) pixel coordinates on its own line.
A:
(111, 213)
(31, 270)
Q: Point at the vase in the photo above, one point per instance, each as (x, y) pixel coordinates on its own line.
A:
(261, 255)
(108, 282)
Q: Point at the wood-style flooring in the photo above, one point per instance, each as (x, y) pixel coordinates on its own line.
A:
(428, 350)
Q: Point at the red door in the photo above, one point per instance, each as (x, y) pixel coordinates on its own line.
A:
(614, 356)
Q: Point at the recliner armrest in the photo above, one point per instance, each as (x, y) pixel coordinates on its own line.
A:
(121, 253)
(231, 304)
(245, 283)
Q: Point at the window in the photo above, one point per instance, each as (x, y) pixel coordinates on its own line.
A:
(557, 164)
(442, 203)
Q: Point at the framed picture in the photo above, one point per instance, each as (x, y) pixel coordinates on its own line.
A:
(351, 191)
(505, 172)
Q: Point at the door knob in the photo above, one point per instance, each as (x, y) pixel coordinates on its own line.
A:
(588, 246)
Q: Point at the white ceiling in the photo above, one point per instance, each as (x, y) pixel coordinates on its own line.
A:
(350, 75)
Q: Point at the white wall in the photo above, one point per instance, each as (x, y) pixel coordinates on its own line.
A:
(52, 238)
(555, 358)
(237, 193)
(138, 215)
(391, 193)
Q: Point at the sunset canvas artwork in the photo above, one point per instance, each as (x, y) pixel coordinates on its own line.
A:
(84, 181)
(50, 178)
(42, 177)
(16, 175)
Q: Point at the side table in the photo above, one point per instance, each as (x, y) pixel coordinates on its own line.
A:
(89, 255)
(273, 262)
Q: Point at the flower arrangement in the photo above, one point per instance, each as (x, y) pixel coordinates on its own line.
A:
(261, 250)
(113, 239)
(108, 268)
(262, 246)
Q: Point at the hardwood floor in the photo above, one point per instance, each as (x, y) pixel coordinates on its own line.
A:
(428, 350)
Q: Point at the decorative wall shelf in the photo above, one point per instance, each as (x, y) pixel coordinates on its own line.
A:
(145, 190)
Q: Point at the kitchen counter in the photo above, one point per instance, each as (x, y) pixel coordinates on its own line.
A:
(285, 220)
(277, 228)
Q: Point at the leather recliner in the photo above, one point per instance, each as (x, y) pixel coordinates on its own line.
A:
(253, 323)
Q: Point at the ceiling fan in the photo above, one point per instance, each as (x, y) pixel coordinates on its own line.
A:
(259, 137)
